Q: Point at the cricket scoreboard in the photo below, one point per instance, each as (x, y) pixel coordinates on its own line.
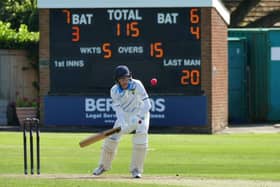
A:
(87, 44)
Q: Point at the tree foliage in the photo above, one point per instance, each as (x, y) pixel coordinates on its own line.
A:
(17, 39)
(19, 12)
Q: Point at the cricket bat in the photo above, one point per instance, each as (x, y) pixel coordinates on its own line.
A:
(100, 136)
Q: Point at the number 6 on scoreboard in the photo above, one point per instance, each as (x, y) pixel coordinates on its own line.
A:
(195, 19)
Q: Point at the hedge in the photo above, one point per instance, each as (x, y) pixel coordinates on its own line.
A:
(17, 39)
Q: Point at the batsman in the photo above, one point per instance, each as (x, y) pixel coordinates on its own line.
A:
(131, 104)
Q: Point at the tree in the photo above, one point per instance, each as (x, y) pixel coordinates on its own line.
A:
(20, 12)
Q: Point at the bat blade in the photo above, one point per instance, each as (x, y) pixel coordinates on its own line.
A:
(95, 138)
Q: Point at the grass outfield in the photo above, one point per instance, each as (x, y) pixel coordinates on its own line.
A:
(170, 158)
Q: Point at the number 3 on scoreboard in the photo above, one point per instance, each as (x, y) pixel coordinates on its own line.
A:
(190, 77)
(76, 34)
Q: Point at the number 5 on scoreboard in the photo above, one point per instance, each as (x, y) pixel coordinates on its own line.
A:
(107, 51)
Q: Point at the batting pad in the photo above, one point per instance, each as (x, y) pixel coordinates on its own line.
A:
(108, 152)
(138, 157)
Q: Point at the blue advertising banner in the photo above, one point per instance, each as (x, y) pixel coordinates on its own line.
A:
(97, 111)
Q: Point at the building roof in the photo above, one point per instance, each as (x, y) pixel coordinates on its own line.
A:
(263, 8)
(217, 4)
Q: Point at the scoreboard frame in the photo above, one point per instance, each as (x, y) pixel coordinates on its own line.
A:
(162, 43)
(214, 101)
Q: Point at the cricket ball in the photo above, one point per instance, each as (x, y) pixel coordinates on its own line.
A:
(153, 81)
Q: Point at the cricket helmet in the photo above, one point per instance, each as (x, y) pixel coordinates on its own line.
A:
(121, 71)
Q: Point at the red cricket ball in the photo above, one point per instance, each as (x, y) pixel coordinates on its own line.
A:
(153, 81)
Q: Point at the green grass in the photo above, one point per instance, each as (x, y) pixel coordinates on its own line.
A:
(45, 182)
(239, 156)
(8, 182)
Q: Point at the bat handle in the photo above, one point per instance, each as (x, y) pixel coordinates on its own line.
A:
(118, 129)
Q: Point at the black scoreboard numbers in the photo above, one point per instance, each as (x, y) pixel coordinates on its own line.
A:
(87, 44)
